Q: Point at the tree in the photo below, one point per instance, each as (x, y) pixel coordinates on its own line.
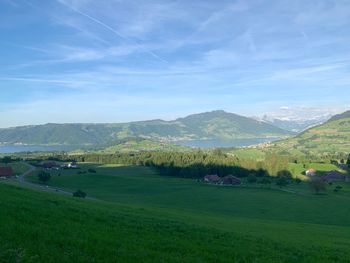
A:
(265, 181)
(282, 181)
(6, 160)
(348, 161)
(317, 184)
(297, 180)
(285, 173)
(44, 176)
(251, 178)
(80, 194)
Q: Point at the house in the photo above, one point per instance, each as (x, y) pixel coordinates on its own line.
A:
(231, 180)
(310, 172)
(49, 165)
(72, 165)
(213, 178)
(6, 171)
(334, 176)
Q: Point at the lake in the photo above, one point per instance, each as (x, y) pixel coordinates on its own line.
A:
(207, 144)
(36, 148)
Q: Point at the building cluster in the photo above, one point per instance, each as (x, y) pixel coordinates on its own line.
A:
(227, 180)
(331, 176)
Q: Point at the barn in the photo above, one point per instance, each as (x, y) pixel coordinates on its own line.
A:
(231, 180)
(334, 176)
(212, 178)
(6, 171)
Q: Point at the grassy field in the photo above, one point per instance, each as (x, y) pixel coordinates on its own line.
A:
(298, 169)
(329, 138)
(150, 218)
(143, 186)
(70, 230)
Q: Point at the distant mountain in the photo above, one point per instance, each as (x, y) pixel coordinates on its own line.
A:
(203, 126)
(295, 124)
(328, 138)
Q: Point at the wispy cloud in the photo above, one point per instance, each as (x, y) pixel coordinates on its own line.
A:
(111, 29)
(244, 56)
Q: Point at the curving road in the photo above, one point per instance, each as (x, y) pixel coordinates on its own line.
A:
(22, 181)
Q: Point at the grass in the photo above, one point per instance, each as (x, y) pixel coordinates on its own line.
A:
(143, 186)
(330, 138)
(150, 218)
(143, 145)
(72, 230)
(321, 168)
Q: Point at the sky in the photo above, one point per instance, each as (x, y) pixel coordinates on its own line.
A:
(120, 60)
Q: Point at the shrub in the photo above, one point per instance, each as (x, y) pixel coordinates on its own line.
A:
(79, 194)
(44, 176)
(264, 181)
(251, 179)
(93, 171)
(282, 181)
(298, 180)
(317, 185)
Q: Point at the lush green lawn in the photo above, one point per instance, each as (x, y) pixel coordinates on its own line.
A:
(44, 227)
(143, 186)
(146, 217)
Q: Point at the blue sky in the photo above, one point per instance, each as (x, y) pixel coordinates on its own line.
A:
(119, 60)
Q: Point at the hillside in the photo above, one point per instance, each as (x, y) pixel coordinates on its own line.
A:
(340, 116)
(139, 145)
(154, 218)
(329, 138)
(210, 125)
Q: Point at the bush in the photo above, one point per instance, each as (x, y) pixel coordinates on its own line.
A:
(79, 194)
(285, 174)
(264, 181)
(297, 180)
(282, 182)
(251, 179)
(44, 176)
(317, 185)
(93, 171)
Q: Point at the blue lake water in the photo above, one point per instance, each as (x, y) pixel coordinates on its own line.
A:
(36, 148)
(207, 144)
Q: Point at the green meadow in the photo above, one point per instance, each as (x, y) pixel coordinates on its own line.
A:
(140, 215)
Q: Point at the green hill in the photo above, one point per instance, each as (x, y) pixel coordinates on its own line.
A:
(340, 116)
(144, 217)
(329, 138)
(210, 125)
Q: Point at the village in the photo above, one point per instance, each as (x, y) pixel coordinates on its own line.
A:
(7, 171)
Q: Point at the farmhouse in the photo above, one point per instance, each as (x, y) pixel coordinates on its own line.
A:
(310, 172)
(213, 178)
(334, 176)
(72, 165)
(50, 165)
(231, 180)
(6, 171)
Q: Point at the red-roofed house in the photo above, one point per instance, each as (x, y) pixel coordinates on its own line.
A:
(6, 171)
(310, 172)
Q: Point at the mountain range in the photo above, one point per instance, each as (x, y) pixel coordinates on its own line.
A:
(214, 125)
(295, 124)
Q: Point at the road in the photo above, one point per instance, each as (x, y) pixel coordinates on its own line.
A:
(22, 181)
